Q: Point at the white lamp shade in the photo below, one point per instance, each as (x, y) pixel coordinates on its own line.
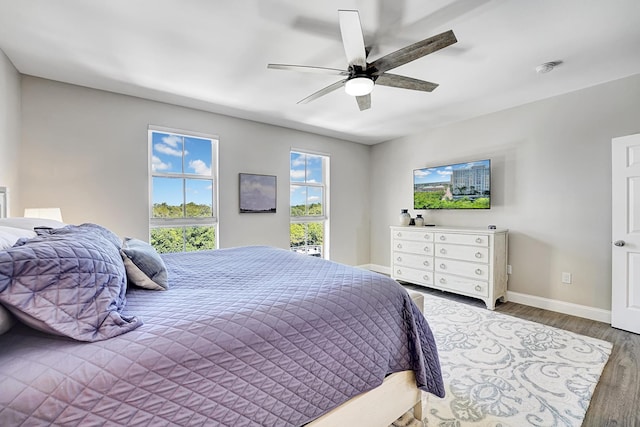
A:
(44, 213)
(359, 86)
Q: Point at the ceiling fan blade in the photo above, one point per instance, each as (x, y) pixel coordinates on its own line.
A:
(309, 69)
(322, 92)
(364, 102)
(395, 80)
(411, 53)
(352, 37)
(446, 15)
(390, 16)
(324, 29)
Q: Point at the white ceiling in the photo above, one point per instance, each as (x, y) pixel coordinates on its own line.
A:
(212, 54)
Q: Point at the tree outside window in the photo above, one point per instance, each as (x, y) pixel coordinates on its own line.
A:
(183, 181)
(308, 201)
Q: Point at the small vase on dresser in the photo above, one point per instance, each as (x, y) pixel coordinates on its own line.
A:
(419, 221)
(405, 218)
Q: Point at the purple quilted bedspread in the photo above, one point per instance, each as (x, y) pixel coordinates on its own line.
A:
(244, 336)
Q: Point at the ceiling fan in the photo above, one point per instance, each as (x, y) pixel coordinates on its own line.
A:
(361, 76)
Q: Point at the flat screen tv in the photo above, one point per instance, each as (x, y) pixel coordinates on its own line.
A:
(456, 186)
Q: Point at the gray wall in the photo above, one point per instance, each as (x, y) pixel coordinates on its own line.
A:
(9, 130)
(86, 151)
(551, 185)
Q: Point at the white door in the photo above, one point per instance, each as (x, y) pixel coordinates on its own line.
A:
(625, 196)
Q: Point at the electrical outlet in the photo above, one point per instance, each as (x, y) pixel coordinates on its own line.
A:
(509, 269)
(566, 278)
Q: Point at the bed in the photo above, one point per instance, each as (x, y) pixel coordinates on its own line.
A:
(241, 336)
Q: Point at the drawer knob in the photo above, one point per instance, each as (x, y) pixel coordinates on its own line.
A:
(443, 280)
(426, 263)
(427, 236)
(443, 251)
(399, 259)
(443, 266)
(399, 245)
(427, 249)
(478, 254)
(425, 277)
(478, 240)
(443, 238)
(478, 271)
(399, 234)
(399, 271)
(478, 288)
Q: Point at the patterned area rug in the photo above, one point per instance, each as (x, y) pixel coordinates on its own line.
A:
(503, 371)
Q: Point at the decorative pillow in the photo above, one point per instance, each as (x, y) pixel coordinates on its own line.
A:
(71, 284)
(6, 321)
(10, 235)
(30, 223)
(144, 266)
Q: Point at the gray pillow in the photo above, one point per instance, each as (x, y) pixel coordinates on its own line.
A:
(144, 266)
(6, 321)
(70, 284)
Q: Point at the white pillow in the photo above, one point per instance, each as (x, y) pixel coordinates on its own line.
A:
(30, 223)
(10, 235)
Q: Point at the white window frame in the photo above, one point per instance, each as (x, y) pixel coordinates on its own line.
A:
(324, 218)
(184, 222)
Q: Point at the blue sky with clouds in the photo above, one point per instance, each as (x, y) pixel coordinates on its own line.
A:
(177, 154)
(443, 173)
(305, 168)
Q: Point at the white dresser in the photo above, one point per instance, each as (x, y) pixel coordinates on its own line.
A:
(467, 261)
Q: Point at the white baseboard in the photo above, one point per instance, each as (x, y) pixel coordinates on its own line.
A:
(587, 312)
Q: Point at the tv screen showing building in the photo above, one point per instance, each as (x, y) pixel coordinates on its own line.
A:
(455, 186)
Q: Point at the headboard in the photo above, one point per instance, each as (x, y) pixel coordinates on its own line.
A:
(3, 202)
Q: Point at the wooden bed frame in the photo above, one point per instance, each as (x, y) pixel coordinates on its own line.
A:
(381, 406)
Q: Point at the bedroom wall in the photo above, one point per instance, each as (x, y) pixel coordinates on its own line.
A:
(86, 151)
(551, 186)
(9, 130)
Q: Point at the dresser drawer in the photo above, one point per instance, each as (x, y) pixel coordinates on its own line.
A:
(417, 235)
(460, 284)
(462, 239)
(413, 247)
(467, 253)
(463, 268)
(413, 275)
(413, 260)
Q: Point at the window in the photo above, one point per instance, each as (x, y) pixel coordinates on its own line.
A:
(309, 177)
(183, 189)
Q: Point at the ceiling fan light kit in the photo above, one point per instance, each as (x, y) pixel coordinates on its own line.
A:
(359, 86)
(361, 76)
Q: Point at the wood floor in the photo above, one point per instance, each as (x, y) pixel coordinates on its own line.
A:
(616, 400)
